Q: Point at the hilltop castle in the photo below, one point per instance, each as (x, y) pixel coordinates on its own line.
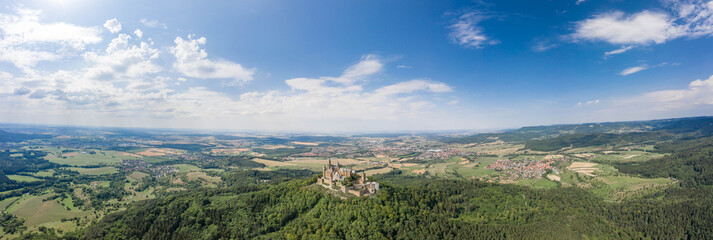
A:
(333, 177)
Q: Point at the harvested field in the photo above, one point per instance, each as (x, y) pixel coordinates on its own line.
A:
(305, 143)
(581, 165)
(129, 154)
(584, 155)
(550, 157)
(401, 165)
(202, 175)
(419, 171)
(553, 177)
(585, 168)
(154, 152)
(378, 171)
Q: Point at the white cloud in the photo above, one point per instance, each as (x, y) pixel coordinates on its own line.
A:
(193, 61)
(641, 28)
(113, 25)
(122, 59)
(620, 50)
(25, 40)
(590, 102)
(698, 94)
(683, 18)
(542, 46)
(580, 2)
(153, 23)
(139, 33)
(466, 31)
(632, 70)
(122, 83)
(412, 86)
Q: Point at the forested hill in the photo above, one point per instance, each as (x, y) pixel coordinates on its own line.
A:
(406, 208)
(20, 137)
(685, 127)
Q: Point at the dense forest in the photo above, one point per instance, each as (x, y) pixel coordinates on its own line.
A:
(690, 161)
(407, 208)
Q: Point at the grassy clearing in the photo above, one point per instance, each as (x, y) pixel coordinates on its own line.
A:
(86, 158)
(45, 173)
(627, 156)
(95, 171)
(7, 202)
(36, 212)
(628, 183)
(23, 178)
(136, 176)
(202, 177)
(479, 171)
(378, 171)
(184, 168)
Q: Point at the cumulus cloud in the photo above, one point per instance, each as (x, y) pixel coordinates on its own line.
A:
(699, 93)
(121, 82)
(193, 61)
(341, 97)
(153, 23)
(113, 25)
(25, 40)
(618, 28)
(466, 31)
(139, 33)
(632, 70)
(22, 91)
(684, 18)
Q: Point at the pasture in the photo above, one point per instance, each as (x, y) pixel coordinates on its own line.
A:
(88, 158)
(47, 213)
(94, 171)
(22, 178)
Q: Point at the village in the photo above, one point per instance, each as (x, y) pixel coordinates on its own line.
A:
(143, 166)
(527, 169)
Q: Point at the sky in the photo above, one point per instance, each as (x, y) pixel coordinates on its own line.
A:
(368, 65)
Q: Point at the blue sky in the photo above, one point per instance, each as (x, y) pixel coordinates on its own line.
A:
(353, 65)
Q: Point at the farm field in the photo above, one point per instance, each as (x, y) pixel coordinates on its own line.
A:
(184, 168)
(95, 171)
(46, 173)
(88, 158)
(22, 178)
(627, 156)
(628, 183)
(48, 213)
(136, 176)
